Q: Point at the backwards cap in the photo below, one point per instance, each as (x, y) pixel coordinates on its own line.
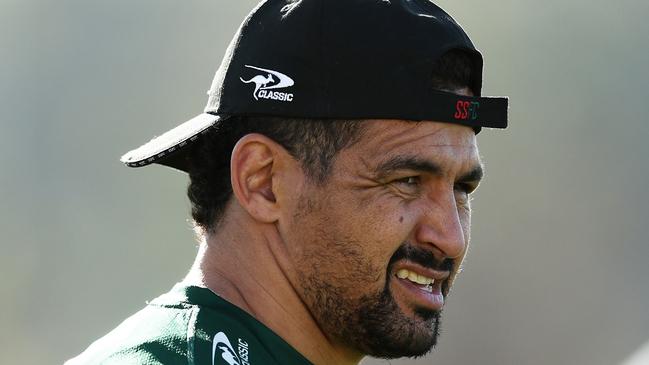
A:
(334, 59)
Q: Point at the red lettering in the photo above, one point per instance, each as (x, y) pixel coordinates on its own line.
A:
(465, 110)
(458, 112)
(462, 110)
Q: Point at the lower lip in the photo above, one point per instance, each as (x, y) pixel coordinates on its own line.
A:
(433, 300)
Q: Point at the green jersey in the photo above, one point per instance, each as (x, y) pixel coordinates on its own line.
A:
(191, 325)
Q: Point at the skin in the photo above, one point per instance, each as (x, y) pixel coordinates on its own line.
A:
(304, 258)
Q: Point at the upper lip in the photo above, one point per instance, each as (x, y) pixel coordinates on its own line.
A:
(421, 270)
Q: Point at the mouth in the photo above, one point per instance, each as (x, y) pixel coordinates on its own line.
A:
(421, 287)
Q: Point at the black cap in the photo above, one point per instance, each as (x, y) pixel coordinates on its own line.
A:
(343, 59)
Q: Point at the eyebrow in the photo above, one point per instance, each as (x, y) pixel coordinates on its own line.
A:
(413, 163)
(397, 163)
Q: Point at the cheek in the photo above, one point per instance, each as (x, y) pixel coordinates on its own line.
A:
(387, 224)
(390, 225)
(369, 234)
(378, 230)
(332, 238)
(342, 236)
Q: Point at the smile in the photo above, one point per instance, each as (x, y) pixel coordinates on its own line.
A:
(419, 286)
(426, 282)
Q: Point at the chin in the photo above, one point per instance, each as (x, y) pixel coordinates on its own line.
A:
(383, 330)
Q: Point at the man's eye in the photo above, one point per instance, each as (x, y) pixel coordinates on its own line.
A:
(410, 180)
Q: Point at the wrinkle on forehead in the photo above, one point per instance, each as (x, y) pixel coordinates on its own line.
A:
(389, 135)
(451, 147)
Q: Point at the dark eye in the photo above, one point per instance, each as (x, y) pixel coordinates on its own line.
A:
(410, 181)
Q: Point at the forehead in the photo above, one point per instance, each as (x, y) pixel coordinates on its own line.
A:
(444, 143)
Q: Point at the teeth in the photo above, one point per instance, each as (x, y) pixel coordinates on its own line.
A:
(415, 278)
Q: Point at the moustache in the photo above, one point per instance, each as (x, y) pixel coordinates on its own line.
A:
(420, 256)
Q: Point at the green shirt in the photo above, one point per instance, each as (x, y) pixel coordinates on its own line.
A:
(191, 325)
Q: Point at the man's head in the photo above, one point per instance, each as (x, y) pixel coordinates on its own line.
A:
(352, 151)
(372, 249)
(370, 200)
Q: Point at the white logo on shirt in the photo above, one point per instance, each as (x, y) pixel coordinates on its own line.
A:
(270, 80)
(221, 345)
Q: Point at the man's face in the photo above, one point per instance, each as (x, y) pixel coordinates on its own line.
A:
(377, 246)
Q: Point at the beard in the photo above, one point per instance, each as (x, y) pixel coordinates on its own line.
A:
(373, 323)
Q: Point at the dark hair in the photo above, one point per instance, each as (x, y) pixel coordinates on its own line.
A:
(314, 143)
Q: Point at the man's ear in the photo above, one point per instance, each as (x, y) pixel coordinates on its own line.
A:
(253, 166)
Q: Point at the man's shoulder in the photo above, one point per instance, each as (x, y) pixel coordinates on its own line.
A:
(157, 334)
(190, 325)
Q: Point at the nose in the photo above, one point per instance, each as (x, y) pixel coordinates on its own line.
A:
(440, 227)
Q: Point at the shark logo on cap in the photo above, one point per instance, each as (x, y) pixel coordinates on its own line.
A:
(268, 80)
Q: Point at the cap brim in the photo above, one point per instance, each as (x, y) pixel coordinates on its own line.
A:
(170, 148)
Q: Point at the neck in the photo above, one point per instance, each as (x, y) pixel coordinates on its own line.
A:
(246, 265)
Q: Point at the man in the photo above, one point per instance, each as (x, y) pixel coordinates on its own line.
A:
(329, 179)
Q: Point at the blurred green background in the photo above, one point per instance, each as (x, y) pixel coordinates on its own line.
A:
(557, 272)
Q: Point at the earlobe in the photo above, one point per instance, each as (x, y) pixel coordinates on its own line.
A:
(251, 174)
